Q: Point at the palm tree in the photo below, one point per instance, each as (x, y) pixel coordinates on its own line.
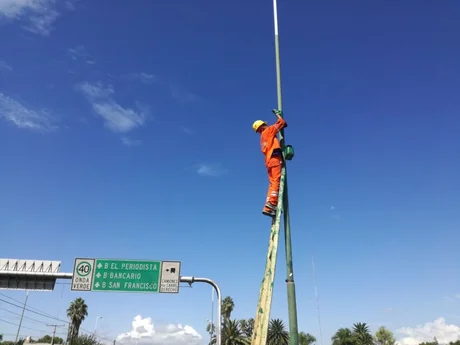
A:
(277, 333)
(232, 334)
(362, 334)
(247, 327)
(384, 336)
(306, 339)
(227, 307)
(76, 312)
(343, 336)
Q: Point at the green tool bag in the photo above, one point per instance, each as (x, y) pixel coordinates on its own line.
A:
(288, 152)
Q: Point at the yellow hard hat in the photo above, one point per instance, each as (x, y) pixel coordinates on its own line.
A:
(257, 124)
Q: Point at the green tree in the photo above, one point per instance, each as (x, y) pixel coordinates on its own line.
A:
(384, 336)
(277, 333)
(239, 332)
(434, 342)
(362, 334)
(306, 339)
(77, 312)
(86, 340)
(247, 327)
(232, 334)
(19, 342)
(1, 337)
(45, 339)
(48, 340)
(343, 336)
(211, 328)
(8, 343)
(227, 307)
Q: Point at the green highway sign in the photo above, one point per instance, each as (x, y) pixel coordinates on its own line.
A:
(126, 275)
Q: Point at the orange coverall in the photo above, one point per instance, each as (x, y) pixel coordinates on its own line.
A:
(274, 162)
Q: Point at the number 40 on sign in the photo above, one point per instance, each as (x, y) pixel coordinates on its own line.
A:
(82, 279)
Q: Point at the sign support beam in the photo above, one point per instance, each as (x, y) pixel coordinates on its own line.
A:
(59, 275)
(166, 277)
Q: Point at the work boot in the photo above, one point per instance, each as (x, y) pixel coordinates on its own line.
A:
(270, 206)
(269, 212)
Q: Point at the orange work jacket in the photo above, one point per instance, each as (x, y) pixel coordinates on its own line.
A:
(268, 140)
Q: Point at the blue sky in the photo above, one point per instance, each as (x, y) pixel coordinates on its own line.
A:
(125, 132)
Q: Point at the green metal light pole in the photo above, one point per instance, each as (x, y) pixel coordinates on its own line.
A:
(292, 305)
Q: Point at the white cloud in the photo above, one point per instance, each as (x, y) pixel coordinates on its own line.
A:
(4, 65)
(130, 142)
(186, 130)
(23, 117)
(40, 14)
(143, 77)
(42, 23)
(80, 52)
(453, 298)
(182, 94)
(144, 332)
(211, 169)
(95, 91)
(443, 332)
(117, 118)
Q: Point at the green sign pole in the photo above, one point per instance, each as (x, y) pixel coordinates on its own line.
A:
(292, 305)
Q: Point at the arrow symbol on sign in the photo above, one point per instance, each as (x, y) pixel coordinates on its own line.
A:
(98, 275)
(96, 285)
(99, 265)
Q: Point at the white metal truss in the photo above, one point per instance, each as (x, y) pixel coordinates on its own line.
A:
(21, 274)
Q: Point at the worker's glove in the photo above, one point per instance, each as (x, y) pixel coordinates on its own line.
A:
(277, 112)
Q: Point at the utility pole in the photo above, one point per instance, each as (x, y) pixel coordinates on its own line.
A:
(292, 305)
(95, 327)
(54, 332)
(22, 316)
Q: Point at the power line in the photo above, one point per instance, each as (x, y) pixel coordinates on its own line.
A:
(32, 311)
(54, 332)
(30, 307)
(46, 315)
(29, 328)
(25, 317)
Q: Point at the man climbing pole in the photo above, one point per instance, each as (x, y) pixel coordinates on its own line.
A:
(271, 149)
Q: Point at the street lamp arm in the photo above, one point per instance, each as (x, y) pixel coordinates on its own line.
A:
(190, 280)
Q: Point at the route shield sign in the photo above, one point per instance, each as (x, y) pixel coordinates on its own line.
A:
(126, 275)
(82, 278)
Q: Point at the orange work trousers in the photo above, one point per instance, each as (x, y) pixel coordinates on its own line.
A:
(274, 167)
